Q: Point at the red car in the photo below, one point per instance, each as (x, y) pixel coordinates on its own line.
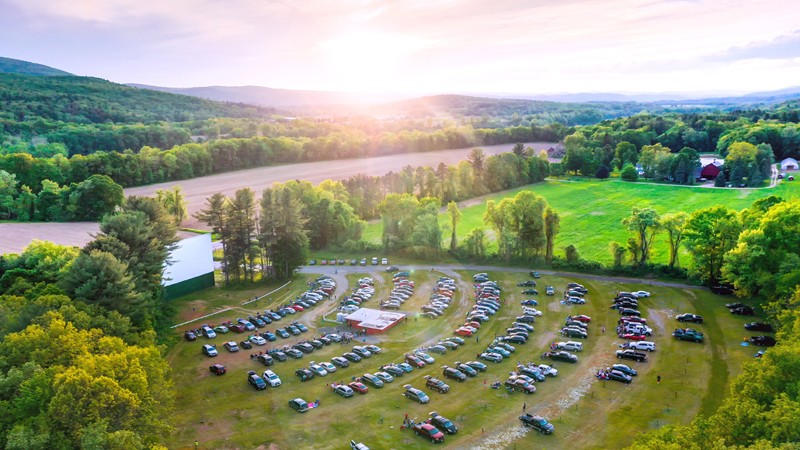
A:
(414, 361)
(634, 336)
(237, 327)
(358, 387)
(429, 431)
(474, 324)
(297, 308)
(582, 318)
(463, 332)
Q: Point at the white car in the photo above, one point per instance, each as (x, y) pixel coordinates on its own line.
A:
(258, 340)
(271, 378)
(532, 312)
(317, 369)
(640, 294)
(547, 370)
(576, 300)
(330, 368)
(570, 346)
(385, 262)
(350, 309)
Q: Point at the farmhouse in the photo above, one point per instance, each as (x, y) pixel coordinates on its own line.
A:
(789, 164)
(373, 321)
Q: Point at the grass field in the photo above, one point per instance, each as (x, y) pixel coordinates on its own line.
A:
(592, 210)
(225, 412)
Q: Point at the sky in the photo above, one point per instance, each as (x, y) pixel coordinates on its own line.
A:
(416, 46)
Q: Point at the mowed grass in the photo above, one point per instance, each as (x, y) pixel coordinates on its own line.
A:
(225, 412)
(592, 211)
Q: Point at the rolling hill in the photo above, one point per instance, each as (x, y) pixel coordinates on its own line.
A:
(19, 67)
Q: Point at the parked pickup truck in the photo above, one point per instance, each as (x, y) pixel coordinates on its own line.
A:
(632, 354)
(688, 334)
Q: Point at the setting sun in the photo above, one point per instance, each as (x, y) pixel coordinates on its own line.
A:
(369, 61)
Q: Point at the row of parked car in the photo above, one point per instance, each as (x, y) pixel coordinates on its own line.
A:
(440, 299)
(353, 262)
(259, 339)
(403, 289)
(352, 302)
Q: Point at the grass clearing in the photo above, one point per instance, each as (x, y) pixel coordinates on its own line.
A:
(225, 412)
(592, 210)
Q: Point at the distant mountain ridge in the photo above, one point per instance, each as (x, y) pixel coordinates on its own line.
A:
(19, 67)
(264, 96)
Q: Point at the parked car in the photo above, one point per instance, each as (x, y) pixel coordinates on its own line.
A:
(256, 381)
(425, 357)
(616, 375)
(415, 394)
(443, 423)
(415, 361)
(209, 350)
(548, 370)
(294, 353)
(694, 318)
(189, 335)
(217, 369)
(758, 326)
(428, 431)
(271, 379)
(384, 376)
(528, 283)
(624, 368)
(530, 292)
(493, 357)
(563, 356)
(538, 423)
(570, 346)
(452, 373)
(298, 405)
(763, 341)
(721, 289)
(342, 389)
(304, 374)
(550, 290)
(688, 334)
(340, 361)
(632, 355)
(265, 359)
(436, 384)
(371, 380)
(359, 387)
(641, 294)
(743, 311)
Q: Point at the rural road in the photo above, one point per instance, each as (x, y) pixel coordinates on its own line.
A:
(197, 190)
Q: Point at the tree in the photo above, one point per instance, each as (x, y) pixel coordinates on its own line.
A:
(629, 173)
(552, 225)
(710, 234)
(576, 152)
(626, 153)
(98, 277)
(475, 244)
(720, 181)
(686, 163)
(645, 223)
(455, 216)
(95, 197)
(240, 214)
(173, 201)
(617, 252)
(673, 224)
(571, 254)
(8, 192)
(427, 231)
(764, 262)
(398, 214)
(653, 158)
(282, 230)
(602, 173)
(214, 217)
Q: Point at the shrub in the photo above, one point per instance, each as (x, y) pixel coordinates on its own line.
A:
(629, 173)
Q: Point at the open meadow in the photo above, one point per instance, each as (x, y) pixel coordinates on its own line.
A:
(592, 211)
(225, 412)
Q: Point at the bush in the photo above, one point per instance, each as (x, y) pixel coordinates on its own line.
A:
(602, 173)
(629, 173)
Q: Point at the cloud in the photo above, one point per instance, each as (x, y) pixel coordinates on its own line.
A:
(785, 46)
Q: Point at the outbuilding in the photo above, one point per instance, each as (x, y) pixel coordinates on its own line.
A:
(710, 171)
(373, 321)
(789, 164)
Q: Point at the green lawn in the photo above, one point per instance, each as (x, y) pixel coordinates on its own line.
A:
(225, 412)
(592, 210)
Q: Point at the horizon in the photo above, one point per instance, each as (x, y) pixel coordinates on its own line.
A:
(628, 47)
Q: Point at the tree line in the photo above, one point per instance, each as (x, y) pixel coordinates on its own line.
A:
(80, 365)
(757, 252)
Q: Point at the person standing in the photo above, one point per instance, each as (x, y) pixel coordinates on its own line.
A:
(658, 379)
(524, 405)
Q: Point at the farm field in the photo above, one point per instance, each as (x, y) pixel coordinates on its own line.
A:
(592, 210)
(225, 412)
(197, 190)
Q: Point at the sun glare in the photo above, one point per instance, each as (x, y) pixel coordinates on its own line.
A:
(368, 61)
